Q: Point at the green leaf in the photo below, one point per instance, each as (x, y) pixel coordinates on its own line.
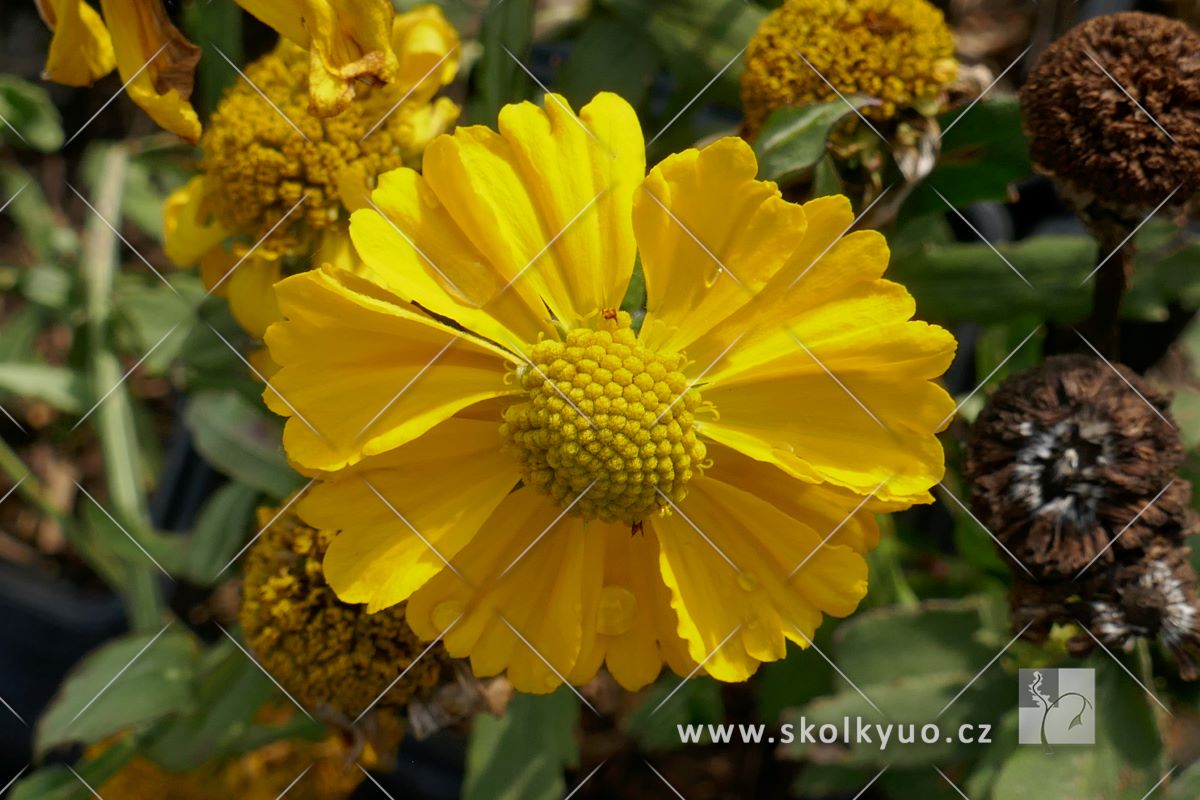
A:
(241, 440)
(905, 700)
(44, 229)
(523, 754)
(652, 724)
(984, 153)
(1123, 764)
(29, 116)
(127, 682)
(699, 40)
(498, 77)
(225, 523)
(214, 24)
(62, 388)
(793, 139)
(220, 724)
(56, 782)
(608, 56)
(936, 638)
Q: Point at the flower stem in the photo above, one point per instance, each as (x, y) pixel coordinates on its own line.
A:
(1113, 279)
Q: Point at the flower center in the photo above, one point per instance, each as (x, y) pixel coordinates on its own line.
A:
(1061, 469)
(607, 425)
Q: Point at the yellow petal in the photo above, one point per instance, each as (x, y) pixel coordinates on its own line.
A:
(81, 50)
(427, 48)
(842, 516)
(525, 620)
(188, 233)
(857, 430)
(710, 237)
(215, 266)
(251, 292)
(444, 484)
(738, 583)
(548, 199)
(361, 375)
(628, 623)
(156, 62)
(419, 253)
(348, 41)
(335, 249)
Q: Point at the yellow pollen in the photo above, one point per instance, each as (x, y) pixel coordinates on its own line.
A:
(601, 411)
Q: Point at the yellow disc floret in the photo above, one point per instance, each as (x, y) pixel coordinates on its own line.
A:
(608, 417)
(898, 51)
(261, 156)
(331, 656)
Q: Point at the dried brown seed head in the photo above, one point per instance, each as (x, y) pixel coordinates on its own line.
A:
(1088, 132)
(1072, 462)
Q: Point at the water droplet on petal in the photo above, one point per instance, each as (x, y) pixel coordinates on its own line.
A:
(615, 611)
(747, 581)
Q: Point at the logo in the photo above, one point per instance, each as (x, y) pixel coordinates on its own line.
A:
(1057, 706)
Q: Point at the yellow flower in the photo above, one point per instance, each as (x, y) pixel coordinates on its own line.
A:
(277, 184)
(346, 42)
(552, 491)
(898, 51)
(149, 52)
(331, 656)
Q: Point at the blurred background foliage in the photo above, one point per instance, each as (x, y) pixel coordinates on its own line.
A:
(129, 502)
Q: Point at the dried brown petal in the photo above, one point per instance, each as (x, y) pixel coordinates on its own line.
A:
(1066, 462)
(1089, 134)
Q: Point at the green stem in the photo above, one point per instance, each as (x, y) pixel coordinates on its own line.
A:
(114, 416)
(1145, 669)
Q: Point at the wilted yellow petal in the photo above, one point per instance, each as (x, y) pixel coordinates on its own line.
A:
(427, 48)
(156, 62)
(81, 50)
(347, 41)
(188, 233)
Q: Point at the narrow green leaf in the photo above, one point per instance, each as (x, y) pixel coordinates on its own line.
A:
(522, 755)
(498, 77)
(62, 388)
(652, 724)
(793, 139)
(242, 440)
(127, 682)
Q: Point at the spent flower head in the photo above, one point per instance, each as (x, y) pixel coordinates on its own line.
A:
(1112, 110)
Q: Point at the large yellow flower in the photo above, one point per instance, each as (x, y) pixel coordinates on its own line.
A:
(552, 491)
(347, 42)
(278, 184)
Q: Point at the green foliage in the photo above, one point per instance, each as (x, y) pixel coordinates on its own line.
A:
(609, 55)
(793, 139)
(241, 440)
(522, 755)
(499, 77)
(29, 118)
(667, 704)
(129, 681)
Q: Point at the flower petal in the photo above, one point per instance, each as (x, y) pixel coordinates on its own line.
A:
(81, 51)
(419, 253)
(156, 62)
(836, 513)
(427, 47)
(540, 597)
(445, 483)
(187, 232)
(251, 293)
(756, 605)
(710, 236)
(628, 622)
(348, 40)
(548, 198)
(355, 376)
(863, 432)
